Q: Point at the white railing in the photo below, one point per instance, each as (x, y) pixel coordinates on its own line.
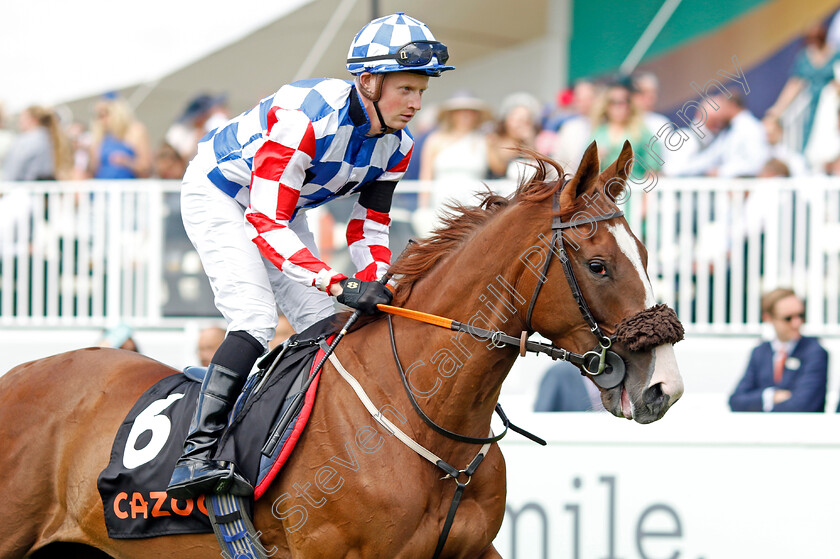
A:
(94, 253)
(715, 245)
(81, 253)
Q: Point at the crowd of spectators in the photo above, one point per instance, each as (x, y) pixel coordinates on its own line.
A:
(47, 143)
(467, 137)
(467, 143)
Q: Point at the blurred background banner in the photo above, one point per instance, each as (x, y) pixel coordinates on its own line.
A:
(744, 485)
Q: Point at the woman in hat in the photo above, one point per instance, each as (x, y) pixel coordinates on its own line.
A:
(455, 155)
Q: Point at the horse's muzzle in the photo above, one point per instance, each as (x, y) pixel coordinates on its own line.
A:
(650, 328)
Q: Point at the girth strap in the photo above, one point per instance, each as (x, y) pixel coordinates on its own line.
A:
(233, 527)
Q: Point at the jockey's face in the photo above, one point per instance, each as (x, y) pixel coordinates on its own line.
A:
(400, 100)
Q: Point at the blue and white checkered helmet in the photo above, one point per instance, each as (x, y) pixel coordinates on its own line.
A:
(397, 43)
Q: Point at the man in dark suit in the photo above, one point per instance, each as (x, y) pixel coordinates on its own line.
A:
(788, 373)
(563, 388)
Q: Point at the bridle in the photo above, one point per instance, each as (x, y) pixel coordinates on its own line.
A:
(604, 366)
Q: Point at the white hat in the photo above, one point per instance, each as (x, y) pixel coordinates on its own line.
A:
(464, 100)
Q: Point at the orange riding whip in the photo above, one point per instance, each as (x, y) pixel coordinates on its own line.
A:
(419, 316)
(496, 337)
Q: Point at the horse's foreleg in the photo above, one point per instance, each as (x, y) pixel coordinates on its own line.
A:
(489, 553)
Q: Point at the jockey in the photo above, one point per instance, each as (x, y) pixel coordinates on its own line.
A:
(243, 202)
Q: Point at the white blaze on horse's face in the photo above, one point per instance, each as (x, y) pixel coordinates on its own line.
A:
(627, 244)
(663, 371)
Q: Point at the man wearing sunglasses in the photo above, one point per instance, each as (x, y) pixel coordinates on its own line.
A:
(788, 373)
(243, 203)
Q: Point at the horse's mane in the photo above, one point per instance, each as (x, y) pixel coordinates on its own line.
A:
(460, 222)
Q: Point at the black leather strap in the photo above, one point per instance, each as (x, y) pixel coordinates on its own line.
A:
(229, 517)
(557, 226)
(540, 281)
(437, 428)
(450, 517)
(456, 500)
(500, 339)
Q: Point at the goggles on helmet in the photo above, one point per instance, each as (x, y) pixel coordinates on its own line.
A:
(416, 53)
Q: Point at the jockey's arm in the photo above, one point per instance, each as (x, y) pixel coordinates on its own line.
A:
(279, 172)
(370, 222)
(368, 230)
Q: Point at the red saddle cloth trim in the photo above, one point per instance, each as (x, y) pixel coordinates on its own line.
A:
(300, 424)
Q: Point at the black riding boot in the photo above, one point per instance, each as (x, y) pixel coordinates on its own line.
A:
(196, 473)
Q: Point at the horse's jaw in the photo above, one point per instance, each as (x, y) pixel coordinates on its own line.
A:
(648, 403)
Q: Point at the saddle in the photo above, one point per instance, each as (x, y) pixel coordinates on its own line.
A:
(261, 435)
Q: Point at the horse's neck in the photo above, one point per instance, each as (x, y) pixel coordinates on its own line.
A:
(460, 376)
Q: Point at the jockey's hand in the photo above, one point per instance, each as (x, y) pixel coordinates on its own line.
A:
(364, 295)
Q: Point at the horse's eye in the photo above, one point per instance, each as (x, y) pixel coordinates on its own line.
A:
(597, 268)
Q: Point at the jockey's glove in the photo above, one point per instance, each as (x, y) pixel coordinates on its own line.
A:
(364, 295)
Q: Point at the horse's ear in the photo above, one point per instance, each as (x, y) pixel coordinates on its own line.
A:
(619, 167)
(615, 176)
(585, 178)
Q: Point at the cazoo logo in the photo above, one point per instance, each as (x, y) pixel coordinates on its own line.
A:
(155, 504)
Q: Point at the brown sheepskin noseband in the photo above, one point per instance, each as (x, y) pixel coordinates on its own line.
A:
(650, 328)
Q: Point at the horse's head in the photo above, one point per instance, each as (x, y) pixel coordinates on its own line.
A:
(607, 268)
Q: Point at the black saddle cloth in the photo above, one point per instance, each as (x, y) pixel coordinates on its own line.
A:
(150, 440)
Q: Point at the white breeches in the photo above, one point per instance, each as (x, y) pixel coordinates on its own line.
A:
(248, 288)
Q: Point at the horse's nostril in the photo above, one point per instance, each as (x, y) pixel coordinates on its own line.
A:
(654, 394)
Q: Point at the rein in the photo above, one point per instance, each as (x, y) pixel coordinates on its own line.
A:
(496, 337)
(441, 430)
(605, 367)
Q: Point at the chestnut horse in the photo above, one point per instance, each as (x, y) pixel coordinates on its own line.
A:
(377, 498)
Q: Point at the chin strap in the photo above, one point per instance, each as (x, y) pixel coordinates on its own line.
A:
(385, 128)
(374, 93)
